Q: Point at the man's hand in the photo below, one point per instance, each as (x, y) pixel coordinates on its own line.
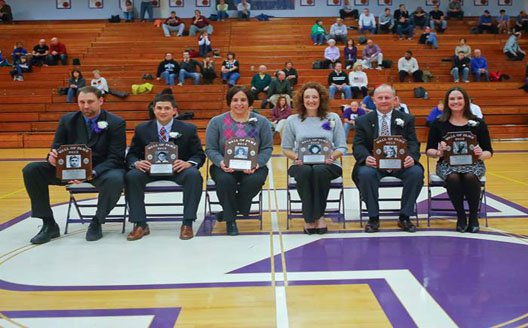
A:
(253, 88)
(180, 165)
(143, 166)
(371, 162)
(225, 168)
(252, 170)
(330, 160)
(52, 157)
(75, 182)
(408, 162)
(266, 88)
(158, 78)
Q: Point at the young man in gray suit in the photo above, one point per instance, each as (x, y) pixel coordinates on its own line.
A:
(105, 134)
(384, 122)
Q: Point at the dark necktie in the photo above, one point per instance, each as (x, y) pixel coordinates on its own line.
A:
(384, 126)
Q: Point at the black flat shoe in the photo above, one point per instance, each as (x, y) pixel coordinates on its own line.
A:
(372, 225)
(232, 229)
(461, 225)
(310, 231)
(95, 231)
(473, 228)
(47, 233)
(322, 231)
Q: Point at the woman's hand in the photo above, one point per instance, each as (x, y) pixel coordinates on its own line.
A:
(478, 151)
(225, 168)
(441, 148)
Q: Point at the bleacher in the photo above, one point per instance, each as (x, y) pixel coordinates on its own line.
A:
(29, 110)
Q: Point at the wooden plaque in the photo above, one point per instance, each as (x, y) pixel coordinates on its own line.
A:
(241, 153)
(390, 152)
(460, 149)
(161, 156)
(74, 162)
(315, 150)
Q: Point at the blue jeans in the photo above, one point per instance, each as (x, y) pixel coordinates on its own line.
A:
(444, 25)
(318, 38)
(184, 74)
(345, 89)
(455, 74)
(242, 15)
(478, 74)
(204, 50)
(167, 29)
(71, 93)
(348, 127)
(231, 77)
(194, 29)
(371, 29)
(53, 60)
(129, 16)
(169, 77)
(146, 7)
(409, 30)
(222, 15)
(432, 40)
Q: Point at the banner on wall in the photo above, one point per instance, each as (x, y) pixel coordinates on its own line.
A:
(63, 4)
(505, 2)
(309, 3)
(480, 2)
(333, 2)
(266, 4)
(176, 3)
(432, 3)
(95, 4)
(384, 2)
(361, 2)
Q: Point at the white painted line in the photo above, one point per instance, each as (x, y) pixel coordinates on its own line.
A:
(281, 307)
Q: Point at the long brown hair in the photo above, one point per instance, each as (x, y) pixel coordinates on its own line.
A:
(323, 100)
(447, 111)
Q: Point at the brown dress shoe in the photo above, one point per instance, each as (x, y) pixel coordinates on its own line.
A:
(186, 232)
(138, 233)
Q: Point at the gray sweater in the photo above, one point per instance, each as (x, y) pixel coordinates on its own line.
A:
(222, 128)
(296, 131)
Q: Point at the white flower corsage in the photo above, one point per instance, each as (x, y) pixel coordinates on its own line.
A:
(472, 123)
(100, 126)
(399, 122)
(253, 120)
(174, 135)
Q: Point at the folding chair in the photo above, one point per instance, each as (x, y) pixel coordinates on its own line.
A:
(333, 213)
(436, 182)
(88, 188)
(210, 201)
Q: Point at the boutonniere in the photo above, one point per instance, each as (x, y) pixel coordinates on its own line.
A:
(472, 123)
(174, 135)
(328, 125)
(100, 126)
(399, 122)
(253, 121)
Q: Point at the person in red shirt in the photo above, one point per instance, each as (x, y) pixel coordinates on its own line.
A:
(200, 24)
(57, 52)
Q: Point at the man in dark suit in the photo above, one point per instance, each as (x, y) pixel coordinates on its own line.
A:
(191, 157)
(105, 134)
(383, 122)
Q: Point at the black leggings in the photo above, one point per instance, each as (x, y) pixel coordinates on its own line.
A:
(459, 185)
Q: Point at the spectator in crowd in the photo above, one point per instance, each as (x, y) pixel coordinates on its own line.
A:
(3, 61)
(405, 27)
(367, 22)
(503, 22)
(243, 9)
(385, 22)
(318, 32)
(291, 73)
(437, 20)
(512, 48)
(260, 83)
(358, 81)
(486, 24)
(350, 114)
(521, 22)
(21, 67)
(435, 113)
(18, 51)
(204, 44)
(40, 52)
(372, 53)
(188, 69)
(454, 9)
(208, 70)
(279, 86)
(99, 82)
(429, 37)
(57, 52)
(168, 69)
(350, 53)
(367, 104)
(331, 54)
(200, 24)
(146, 7)
(419, 18)
(461, 64)
(221, 10)
(280, 113)
(479, 66)
(173, 24)
(408, 65)
(338, 81)
(230, 71)
(338, 31)
(347, 10)
(464, 47)
(6, 15)
(75, 83)
(475, 109)
(128, 11)
(399, 106)
(401, 12)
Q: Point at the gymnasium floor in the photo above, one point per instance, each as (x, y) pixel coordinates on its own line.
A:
(273, 277)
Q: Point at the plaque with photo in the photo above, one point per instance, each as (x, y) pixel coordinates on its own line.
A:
(315, 150)
(74, 162)
(241, 154)
(390, 152)
(161, 156)
(460, 148)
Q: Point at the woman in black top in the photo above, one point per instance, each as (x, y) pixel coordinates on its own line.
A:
(462, 180)
(75, 83)
(230, 72)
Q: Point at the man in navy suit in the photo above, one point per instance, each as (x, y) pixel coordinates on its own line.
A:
(385, 122)
(165, 127)
(105, 134)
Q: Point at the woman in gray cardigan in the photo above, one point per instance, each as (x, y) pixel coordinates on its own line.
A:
(236, 189)
(313, 180)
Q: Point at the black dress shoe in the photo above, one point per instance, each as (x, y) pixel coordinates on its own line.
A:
(461, 225)
(372, 225)
(405, 224)
(232, 228)
(310, 231)
(322, 231)
(47, 233)
(95, 231)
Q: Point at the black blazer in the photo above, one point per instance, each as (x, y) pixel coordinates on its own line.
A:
(189, 144)
(108, 146)
(367, 130)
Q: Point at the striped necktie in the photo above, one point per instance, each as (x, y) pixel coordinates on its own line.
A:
(384, 126)
(163, 134)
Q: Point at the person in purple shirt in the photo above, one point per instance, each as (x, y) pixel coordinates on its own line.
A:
(350, 114)
(350, 54)
(435, 113)
(479, 66)
(331, 54)
(372, 53)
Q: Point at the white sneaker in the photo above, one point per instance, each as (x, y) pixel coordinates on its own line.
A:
(180, 84)
(20, 78)
(466, 81)
(379, 68)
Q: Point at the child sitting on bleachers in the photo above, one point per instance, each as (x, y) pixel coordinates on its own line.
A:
(21, 67)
